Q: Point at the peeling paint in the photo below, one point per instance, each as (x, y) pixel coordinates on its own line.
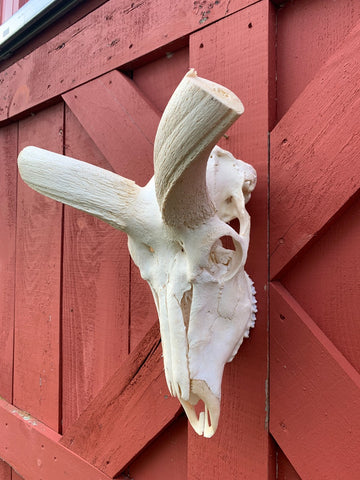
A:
(25, 416)
(204, 8)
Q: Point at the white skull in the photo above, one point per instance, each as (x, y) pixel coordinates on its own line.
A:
(177, 225)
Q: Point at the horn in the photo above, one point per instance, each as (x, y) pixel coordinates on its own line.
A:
(91, 189)
(197, 115)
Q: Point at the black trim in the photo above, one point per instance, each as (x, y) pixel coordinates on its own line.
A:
(27, 22)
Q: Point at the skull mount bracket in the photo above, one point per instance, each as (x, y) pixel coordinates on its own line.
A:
(178, 235)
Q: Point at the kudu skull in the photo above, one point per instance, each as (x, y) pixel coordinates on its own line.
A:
(176, 227)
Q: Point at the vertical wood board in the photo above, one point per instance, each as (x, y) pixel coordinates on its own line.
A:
(314, 155)
(95, 300)
(165, 457)
(234, 52)
(5, 471)
(314, 395)
(6, 10)
(308, 33)
(158, 79)
(122, 123)
(38, 269)
(325, 281)
(128, 413)
(8, 187)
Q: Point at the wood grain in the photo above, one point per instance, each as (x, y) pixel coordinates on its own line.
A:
(314, 395)
(95, 298)
(314, 155)
(8, 186)
(124, 32)
(34, 451)
(5, 471)
(325, 281)
(304, 45)
(241, 435)
(128, 413)
(122, 123)
(38, 269)
(284, 469)
(158, 79)
(165, 457)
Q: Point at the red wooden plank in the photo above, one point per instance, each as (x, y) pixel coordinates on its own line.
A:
(38, 264)
(5, 471)
(6, 10)
(34, 451)
(15, 475)
(123, 31)
(128, 413)
(308, 32)
(95, 298)
(314, 395)
(142, 307)
(122, 123)
(8, 154)
(329, 270)
(314, 155)
(242, 434)
(158, 79)
(284, 469)
(166, 457)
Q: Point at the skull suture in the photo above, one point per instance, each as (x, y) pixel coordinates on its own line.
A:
(176, 227)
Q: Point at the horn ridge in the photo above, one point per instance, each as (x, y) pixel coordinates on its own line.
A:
(197, 115)
(89, 188)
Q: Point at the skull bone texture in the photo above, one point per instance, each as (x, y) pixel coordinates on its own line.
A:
(178, 235)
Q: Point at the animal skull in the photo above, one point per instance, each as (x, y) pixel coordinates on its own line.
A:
(176, 227)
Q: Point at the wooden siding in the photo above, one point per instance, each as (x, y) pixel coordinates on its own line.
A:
(81, 380)
(214, 53)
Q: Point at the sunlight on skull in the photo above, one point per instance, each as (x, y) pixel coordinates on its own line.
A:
(179, 236)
